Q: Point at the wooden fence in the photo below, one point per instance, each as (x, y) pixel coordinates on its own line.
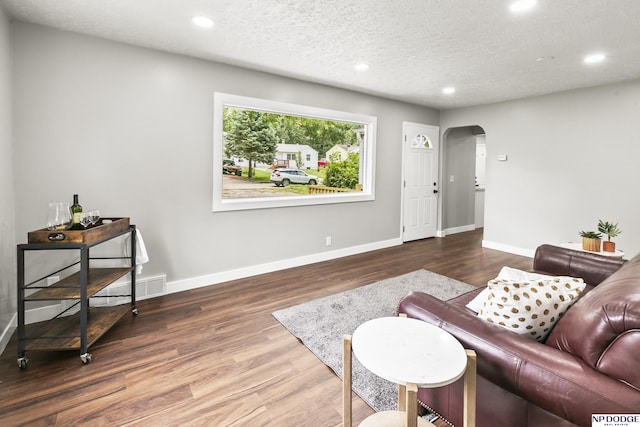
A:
(323, 189)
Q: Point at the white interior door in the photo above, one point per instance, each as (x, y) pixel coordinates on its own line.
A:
(420, 186)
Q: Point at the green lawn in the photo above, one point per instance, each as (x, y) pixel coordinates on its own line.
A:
(258, 175)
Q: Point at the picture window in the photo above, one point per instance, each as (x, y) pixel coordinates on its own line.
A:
(269, 154)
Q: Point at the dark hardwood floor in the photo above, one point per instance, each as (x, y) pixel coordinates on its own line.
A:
(215, 356)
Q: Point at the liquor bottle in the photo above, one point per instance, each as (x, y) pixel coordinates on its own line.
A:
(76, 213)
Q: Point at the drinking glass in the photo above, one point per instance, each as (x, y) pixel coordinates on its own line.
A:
(58, 216)
(94, 215)
(86, 219)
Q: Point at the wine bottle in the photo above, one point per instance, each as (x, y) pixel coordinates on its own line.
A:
(76, 213)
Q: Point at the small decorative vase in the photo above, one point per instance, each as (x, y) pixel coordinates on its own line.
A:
(609, 246)
(591, 245)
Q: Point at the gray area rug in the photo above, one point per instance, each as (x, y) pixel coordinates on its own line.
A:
(320, 324)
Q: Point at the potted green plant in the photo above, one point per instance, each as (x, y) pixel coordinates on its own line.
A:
(611, 230)
(591, 241)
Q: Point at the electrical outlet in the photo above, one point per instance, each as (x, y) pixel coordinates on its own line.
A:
(328, 240)
(52, 279)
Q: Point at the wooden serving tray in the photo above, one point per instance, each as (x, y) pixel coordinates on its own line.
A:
(106, 228)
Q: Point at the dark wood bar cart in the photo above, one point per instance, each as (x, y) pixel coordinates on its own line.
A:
(79, 325)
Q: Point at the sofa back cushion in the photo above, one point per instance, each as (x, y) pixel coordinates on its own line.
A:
(557, 261)
(603, 327)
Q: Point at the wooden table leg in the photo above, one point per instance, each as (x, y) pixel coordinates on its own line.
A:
(402, 397)
(346, 381)
(412, 405)
(402, 390)
(470, 390)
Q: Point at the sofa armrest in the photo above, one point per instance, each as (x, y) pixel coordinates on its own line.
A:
(557, 261)
(549, 378)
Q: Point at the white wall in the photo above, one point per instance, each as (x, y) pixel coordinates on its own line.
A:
(130, 130)
(572, 159)
(7, 201)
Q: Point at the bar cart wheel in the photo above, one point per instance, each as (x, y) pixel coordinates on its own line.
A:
(23, 362)
(86, 358)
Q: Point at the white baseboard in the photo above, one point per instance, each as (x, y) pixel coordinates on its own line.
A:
(455, 230)
(44, 313)
(509, 249)
(8, 332)
(241, 273)
(154, 285)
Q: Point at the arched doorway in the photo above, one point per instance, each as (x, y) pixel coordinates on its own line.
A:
(462, 183)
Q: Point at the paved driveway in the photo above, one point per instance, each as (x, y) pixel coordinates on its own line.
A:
(236, 187)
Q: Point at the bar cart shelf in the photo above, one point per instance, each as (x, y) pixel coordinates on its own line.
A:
(79, 330)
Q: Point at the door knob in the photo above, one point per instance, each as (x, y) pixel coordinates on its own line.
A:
(435, 191)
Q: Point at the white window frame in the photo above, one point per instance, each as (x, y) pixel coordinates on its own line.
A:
(367, 154)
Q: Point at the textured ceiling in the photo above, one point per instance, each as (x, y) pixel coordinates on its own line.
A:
(414, 47)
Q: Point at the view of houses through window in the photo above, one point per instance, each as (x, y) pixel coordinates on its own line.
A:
(288, 155)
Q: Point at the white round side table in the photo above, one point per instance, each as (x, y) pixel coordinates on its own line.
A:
(413, 354)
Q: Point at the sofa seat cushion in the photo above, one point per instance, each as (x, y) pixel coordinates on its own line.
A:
(603, 327)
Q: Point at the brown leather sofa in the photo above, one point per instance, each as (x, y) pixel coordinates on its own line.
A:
(589, 363)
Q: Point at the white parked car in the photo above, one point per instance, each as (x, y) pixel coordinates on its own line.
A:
(284, 177)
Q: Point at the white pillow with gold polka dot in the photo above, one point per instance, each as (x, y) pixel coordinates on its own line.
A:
(530, 307)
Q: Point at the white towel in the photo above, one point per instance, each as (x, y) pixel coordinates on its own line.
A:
(141, 251)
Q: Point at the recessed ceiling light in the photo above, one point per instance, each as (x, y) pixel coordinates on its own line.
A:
(521, 6)
(595, 58)
(449, 90)
(202, 21)
(361, 66)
